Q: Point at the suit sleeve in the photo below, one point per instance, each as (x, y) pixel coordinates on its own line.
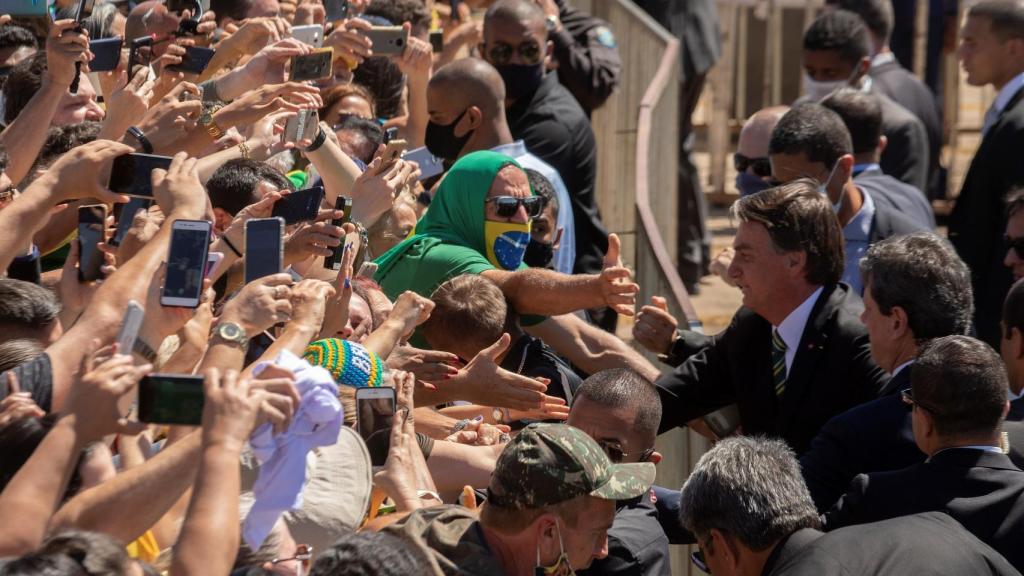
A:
(829, 464)
(700, 385)
(869, 378)
(910, 148)
(588, 59)
(850, 509)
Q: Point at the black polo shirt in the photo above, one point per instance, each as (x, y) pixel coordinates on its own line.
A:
(531, 357)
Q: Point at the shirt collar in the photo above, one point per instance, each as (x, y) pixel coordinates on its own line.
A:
(513, 149)
(901, 367)
(859, 169)
(1007, 92)
(859, 227)
(994, 449)
(792, 328)
(883, 58)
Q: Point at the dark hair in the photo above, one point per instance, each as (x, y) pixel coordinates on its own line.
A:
(1013, 309)
(1006, 18)
(233, 185)
(625, 388)
(234, 9)
(964, 381)
(1014, 201)
(542, 187)
(60, 140)
(369, 130)
(15, 37)
(861, 112)
(814, 131)
(25, 305)
(14, 353)
(371, 553)
(876, 14)
(39, 564)
(840, 31)
(385, 81)
(98, 553)
(22, 84)
(922, 274)
(19, 439)
(399, 11)
(799, 219)
(336, 94)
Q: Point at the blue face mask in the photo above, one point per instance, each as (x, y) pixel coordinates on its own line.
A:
(748, 183)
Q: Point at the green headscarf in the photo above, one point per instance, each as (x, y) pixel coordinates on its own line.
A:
(455, 216)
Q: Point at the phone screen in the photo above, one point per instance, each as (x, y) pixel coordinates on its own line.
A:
(375, 416)
(90, 234)
(171, 399)
(140, 53)
(301, 206)
(132, 174)
(333, 262)
(263, 248)
(195, 60)
(312, 66)
(125, 213)
(186, 265)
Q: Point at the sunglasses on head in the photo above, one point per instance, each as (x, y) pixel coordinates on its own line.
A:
(616, 454)
(907, 396)
(1016, 244)
(501, 53)
(762, 167)
(507, 206)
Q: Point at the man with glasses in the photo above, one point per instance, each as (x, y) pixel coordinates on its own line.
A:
(958, 394)
(751, 514)
(753, 169)
(811, 141)
(620, 410)
(1013, 238)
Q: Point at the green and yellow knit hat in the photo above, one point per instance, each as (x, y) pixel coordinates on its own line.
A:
(350, 363)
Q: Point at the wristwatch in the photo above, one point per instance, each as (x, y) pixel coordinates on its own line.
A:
(211, 127)
(501, 415)
(232, 333)
(144, 350)
(552, 23)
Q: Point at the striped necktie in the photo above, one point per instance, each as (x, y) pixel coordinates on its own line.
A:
(778, 363)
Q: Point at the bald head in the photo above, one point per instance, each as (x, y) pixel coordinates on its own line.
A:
(149, 18)
(475, 82)
(523, 12)
(757, 131)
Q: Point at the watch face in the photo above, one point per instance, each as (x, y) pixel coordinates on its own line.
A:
(230, 331)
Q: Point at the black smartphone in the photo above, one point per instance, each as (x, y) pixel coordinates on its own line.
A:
(107, 54)
(300, 206)
(375, 411)
(132, 174)
(333, 262)
(186, 263)
(91, 221)
(124, 214)
(195, 60)
(336, 10)
(437, 41)
(312, 66)
(84, 9)
(140, 53)
(264, 247)
(171, 399)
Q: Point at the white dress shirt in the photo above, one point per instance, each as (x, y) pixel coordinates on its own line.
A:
(791, 330)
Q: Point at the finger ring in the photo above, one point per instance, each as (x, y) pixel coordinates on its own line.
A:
(504, 438)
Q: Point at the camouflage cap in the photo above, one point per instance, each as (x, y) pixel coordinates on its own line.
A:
(546, 464)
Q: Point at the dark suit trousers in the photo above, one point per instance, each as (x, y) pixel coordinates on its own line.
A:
(694, 241)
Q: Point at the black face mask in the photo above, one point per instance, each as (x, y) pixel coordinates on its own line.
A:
(521, 79)
(539, 254)
(441, 140)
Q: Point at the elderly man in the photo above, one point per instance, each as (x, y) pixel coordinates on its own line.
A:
(753, 169)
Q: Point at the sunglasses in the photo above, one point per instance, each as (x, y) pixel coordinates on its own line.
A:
(907, 396)
(762, 167)
(1016, 244)
(501, 53)
(507, 206)
(616, 455)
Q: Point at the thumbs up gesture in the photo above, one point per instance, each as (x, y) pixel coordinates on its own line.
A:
(617, 290)
(655, 328)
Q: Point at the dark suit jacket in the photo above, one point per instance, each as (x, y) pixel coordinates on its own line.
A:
(905, 158)
(899, 84)
(637, 546)
(930, 543)
(889, 222)
(897, 196)
(831, 372)
(872, 437)
(982, 490)
(695, 23)
(978, 221)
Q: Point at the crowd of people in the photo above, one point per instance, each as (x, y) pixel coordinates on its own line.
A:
(310, 287)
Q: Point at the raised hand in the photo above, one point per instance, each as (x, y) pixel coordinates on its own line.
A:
(655, 327)
(483, 381)
(616, 289)
(64, 47)
(261, 304)
(17, 405)
(82, 173)
(93, 402)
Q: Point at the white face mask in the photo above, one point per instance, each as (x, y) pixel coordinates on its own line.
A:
(823, 190)
(817, 90)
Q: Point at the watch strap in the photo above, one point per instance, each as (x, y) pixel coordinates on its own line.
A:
(139, 135)
(144, 350)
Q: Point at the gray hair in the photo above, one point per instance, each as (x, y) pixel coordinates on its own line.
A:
(922, 274)
(750, 488)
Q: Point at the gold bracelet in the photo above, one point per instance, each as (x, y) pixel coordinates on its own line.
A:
(246, 154)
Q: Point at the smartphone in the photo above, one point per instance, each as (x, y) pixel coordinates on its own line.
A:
(454, 4)
(91, 223)
(390, 134)
(171, 399)
(336, 10)
(107, 52)
(300, 206)
(724, 421)
(130, 327)
(301, 126)
(25, 8)
(195, 60)
(429, 164)
(264, 247)
(84, 9)
(387, 40)
(213, 260)
(312, 34)
(312, 66)
(179, 6)
(186, 263)
(140, 53)
(375, 410)
(393, 150)
(124, 214)
(437, 41)
(333, 262)
(132, 174)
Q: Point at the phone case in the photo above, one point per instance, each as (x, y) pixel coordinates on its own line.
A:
(312, 35)
(312, 66)
(107, 54)
(387, 39)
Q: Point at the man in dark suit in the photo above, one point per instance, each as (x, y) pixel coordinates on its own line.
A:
(958, 393)
(811, 140)
(877, 436)
(836, 54)
(751, 514)
(991, 52)
(1011, 349)
(862, 114)
(795, 354)
(890, 78)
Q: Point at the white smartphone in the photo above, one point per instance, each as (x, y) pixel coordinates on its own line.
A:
(312, 34)
(302, 125)
(186, 263)
(130, 327)
(429, 164)
(375, 409)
